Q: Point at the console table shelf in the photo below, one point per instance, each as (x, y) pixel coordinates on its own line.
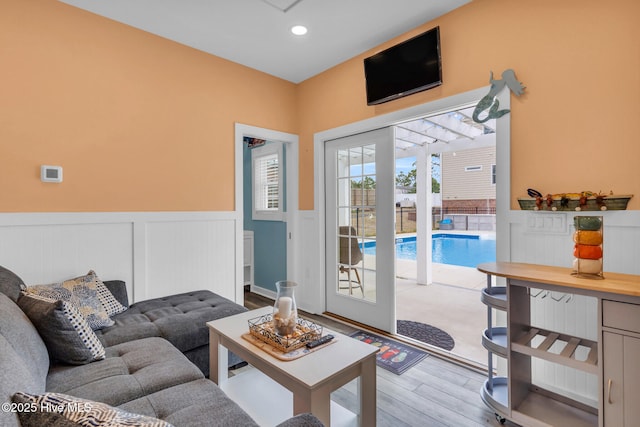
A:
(495, 340)
(523, 344)
(495, 391)
(495, 297)
(611, 357)
(495, 394)
(537, 409)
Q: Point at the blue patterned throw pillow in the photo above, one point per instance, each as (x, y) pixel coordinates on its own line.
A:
(82, 292)
(61, 409)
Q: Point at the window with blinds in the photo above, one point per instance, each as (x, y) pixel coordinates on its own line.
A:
(267, 182)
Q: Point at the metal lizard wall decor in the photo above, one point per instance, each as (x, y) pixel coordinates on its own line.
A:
(490, 101)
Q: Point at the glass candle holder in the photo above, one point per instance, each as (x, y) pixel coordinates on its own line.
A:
(285, 311)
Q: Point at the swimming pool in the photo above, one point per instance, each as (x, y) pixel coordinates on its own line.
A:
(455, 249)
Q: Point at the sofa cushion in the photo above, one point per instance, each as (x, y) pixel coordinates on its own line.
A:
(24, 360)
(181, 319)
(196, 403)
(56, 409)
(65, 331)
(129, 371)
(203, 403)
(80, 291)
(118, 289)
(10, 284)
(302, 420)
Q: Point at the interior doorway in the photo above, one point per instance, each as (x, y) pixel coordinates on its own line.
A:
(269, 229)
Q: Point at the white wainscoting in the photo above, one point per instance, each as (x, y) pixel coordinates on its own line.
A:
(547, 238)
(312, 286)
(155, 253)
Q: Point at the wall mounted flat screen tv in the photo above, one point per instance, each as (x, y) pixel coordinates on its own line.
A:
(406, 68)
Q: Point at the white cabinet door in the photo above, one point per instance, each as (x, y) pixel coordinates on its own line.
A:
(621, 380)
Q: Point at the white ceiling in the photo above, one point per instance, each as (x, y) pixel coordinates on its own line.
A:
(256, 33)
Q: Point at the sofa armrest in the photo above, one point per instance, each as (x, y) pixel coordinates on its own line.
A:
(119, 290)
(302, 420)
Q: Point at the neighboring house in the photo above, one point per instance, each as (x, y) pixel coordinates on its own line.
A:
(469, 181)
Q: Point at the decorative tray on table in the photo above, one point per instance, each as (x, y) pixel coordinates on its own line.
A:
(304, 332)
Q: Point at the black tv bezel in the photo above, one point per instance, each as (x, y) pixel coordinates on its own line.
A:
(411, 91)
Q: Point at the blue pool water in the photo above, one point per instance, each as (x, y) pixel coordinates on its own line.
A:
(454, 249)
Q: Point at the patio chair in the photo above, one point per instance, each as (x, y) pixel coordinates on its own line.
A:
(350, 256)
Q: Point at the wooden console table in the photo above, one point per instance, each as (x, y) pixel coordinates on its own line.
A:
(613, 357)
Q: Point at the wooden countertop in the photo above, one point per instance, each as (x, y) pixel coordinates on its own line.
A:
(615, 283)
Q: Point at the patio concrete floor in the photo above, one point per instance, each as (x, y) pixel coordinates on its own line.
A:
(451, 303)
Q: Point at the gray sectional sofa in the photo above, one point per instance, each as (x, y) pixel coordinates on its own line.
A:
(154, 364)
(180, 319)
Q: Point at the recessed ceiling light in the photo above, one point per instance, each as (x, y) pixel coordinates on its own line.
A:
(299, 30)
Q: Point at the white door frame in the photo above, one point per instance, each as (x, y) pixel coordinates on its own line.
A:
(291, 141)
(503, 159)
(380, 311)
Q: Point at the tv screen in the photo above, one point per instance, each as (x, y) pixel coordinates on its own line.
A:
(409, 67)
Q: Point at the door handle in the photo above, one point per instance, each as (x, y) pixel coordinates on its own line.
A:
(609, 391)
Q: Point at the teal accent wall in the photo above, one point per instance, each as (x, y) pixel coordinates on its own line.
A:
(270, 237)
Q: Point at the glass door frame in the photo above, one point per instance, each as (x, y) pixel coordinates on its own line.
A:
(503, 183)
(376, 309)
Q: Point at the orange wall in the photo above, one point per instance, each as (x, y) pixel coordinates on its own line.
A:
(576, 126)
(138, 123)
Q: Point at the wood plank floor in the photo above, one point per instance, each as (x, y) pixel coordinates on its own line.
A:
(436, 392)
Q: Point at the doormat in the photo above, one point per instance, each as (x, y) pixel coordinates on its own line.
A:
(426, 333)
(393, 356)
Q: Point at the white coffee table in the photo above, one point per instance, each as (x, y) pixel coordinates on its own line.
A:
(309, 379)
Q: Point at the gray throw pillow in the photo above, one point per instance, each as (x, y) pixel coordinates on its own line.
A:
(61, 410)
(63, 329)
